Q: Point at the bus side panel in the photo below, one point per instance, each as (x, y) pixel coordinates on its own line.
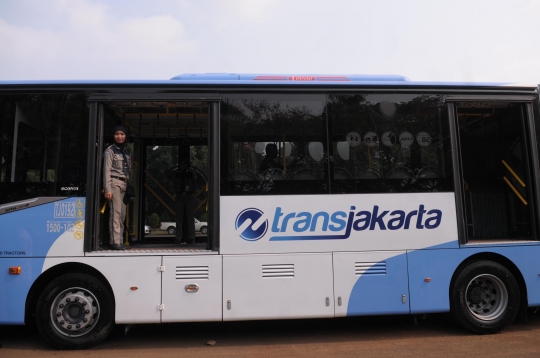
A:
(371, 283)
(14, 288)
(28, 236)
(55, 228)
(192, 288)
(124, 274)
(277, 286)
(439, 266)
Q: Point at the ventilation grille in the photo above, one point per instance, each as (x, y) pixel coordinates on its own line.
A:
(276, 271)
(370, 268)
(192, 273)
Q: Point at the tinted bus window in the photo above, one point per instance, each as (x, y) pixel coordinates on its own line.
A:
(44, 140)
(389, 143)
(273, 144)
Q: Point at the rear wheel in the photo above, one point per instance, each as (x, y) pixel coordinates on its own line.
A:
(171, 230)
(204, 230)
(485, 297)
(75, 311)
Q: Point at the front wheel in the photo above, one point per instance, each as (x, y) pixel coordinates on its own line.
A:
(75, 311)
(204, 230)
(485, 297)
(171, 230)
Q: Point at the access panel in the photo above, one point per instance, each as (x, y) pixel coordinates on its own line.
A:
(370, 283)
(192, 288)
(277, 286)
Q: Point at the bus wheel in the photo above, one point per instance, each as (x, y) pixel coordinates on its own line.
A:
(75, 311)
(485, 297)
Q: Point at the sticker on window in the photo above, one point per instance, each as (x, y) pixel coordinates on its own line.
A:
(388, 139)
(406, 139)
(423, 139)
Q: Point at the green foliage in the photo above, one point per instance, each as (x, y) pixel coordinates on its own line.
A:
(154, 221)
(204, 217)
(199, 157)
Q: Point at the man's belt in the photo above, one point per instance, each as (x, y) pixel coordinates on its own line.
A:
(125, 180)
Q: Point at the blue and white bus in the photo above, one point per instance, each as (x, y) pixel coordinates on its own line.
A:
(324, 196)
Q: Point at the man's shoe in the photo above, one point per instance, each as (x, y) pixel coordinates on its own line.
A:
(117, 247)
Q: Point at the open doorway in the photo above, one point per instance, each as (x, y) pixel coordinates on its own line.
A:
(496, 171)
(166, 140)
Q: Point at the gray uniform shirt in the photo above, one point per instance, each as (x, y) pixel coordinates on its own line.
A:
(113, 165)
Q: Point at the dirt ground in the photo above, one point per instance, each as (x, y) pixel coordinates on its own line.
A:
(387, 336)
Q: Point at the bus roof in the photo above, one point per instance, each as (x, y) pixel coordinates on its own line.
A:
(288, 77)
(238, 79)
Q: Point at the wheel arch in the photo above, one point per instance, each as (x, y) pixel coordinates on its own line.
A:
(46, 277)
(501, 260)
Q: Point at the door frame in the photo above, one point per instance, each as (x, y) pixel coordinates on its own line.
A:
(531, 147)
(97, 104)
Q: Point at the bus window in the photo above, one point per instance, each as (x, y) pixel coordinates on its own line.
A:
(43, 146)
(496, 176)
(273, 144)
(388, 143)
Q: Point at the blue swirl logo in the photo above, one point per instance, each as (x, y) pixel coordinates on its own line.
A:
(250, 234)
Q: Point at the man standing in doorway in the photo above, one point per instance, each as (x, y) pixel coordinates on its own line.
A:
(116, 169)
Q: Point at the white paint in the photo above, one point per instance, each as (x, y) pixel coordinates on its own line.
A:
(401, 239)
(69, 243)
(253, 296)
(203, 305)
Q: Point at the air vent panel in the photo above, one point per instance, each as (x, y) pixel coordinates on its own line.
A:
(278, 271)
(192, 273)
(370, 268)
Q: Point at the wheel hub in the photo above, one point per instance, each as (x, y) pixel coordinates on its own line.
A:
(487, 297)
(74, 312)
(475, 294)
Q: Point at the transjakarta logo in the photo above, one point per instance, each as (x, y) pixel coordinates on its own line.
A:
(250, 233)
(333, 226)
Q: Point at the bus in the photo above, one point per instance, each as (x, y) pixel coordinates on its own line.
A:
(322, 196)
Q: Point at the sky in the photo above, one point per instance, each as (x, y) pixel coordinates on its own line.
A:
(424, 40)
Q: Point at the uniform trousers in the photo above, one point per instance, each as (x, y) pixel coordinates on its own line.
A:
(117, 211)
(185, 208)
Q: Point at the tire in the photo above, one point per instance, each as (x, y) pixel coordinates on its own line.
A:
(204, 230)
(485, 297)
(75, 311)
(171, 230)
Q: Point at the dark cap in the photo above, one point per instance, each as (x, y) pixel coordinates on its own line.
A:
(120, 128)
